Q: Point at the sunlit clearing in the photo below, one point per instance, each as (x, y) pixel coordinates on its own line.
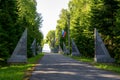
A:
(46, 48)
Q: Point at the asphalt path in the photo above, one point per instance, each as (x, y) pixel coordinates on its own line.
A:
(55, 66)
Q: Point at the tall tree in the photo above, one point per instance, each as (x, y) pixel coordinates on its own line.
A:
(104, 14)
(79, 25)
(62, 25)
(8, 16)
(15, 16)
(50, 38)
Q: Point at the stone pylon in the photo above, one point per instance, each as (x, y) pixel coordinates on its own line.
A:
(33, 47)
(75, 51)
(60, 49)
(39, 49)
(65, 49)
(101, 52)
(19, 54)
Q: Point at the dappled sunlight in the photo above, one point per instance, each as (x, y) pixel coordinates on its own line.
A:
(108, 75)
(71, 70)
(4, 68)
(59, 67)
(56, 72)
(18, 71)
(70, 64)
(38, 64)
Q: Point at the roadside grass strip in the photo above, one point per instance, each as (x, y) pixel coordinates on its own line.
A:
(19, 71)
(106, 66)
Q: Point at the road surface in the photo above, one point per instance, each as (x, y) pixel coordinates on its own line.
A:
(58, 67)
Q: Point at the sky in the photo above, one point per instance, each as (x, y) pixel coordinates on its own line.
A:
(46, 48)
(50, 10)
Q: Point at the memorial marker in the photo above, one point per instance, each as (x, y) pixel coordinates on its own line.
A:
(33, 47)
(60, 49)
(75, 51)
(39, 49)
(65, 49)
(19, 54)
(101, 52)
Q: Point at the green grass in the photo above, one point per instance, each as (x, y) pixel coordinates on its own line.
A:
(110, 67)
(83, 59)
(105, 66)
(18, 72)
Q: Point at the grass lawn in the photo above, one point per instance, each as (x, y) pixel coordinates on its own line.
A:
(105, 66)
(19, 71)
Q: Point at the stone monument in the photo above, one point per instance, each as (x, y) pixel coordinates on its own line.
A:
(101, 52)
(33, 47)
(19, 54)
(75, 51)
(60, 49)
(39, 49)
(65, 49)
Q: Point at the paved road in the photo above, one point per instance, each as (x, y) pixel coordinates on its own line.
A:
(59, 67)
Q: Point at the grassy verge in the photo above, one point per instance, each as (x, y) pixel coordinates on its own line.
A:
(18, 72)
(110, 67)
(105, 66)
(83, 59)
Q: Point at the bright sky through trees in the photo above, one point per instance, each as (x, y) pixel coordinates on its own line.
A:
(50, 10)
(46, 48)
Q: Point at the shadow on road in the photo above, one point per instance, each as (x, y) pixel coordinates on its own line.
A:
(59, 67)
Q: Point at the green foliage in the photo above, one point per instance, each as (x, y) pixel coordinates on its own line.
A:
(17, 72)
(85, 15)
(83, 59)
(50, 38)
(80, 23)
(79, 16)
(8, 18)
(15, 16)
(62, 24)
(105, 18)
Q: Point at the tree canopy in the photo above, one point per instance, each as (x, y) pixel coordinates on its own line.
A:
(85, 15)
(15, 16)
